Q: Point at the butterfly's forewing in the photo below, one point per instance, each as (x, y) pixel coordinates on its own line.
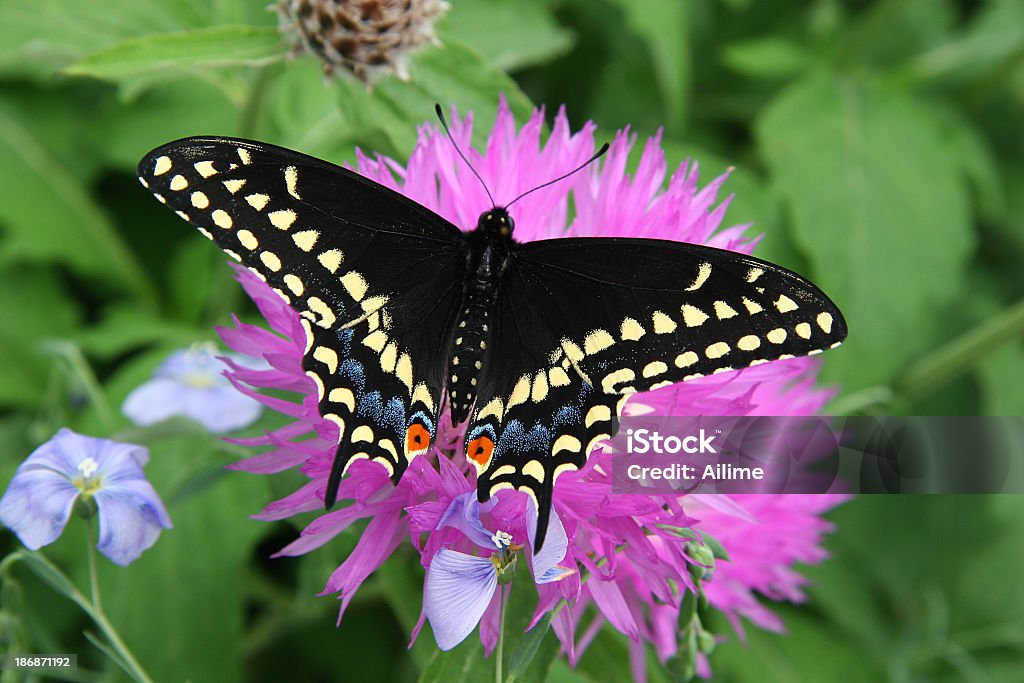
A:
(374, 276)
(595, 320)
(633, 314)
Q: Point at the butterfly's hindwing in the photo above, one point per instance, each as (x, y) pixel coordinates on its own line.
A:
(372, 274)
(535, 416)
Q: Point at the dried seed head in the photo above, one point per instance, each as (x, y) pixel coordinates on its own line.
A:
(368, 38)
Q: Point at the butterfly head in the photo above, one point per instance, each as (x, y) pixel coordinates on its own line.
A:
(496, 221)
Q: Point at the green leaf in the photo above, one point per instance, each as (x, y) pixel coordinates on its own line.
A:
(125, 128)
(751, 203)
(561, 672)
(961, 353)
(877, 206)
(193, 575)
(125, 328)
(188, 51)
(107, 650)
(401, 580)
(607, 658)
(808, 651)
(54, 578)
(305, 113)
(1000, 374)
(41, 36)
(462, 664)
(454, 74)
(976, 159)
(994, 38)
(529, 33)
(51, 216)
(771, 57)
(35, 307)
(533, 650)
(527, 647)
(665, 27)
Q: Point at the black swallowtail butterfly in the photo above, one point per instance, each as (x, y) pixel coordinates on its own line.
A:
(539, 344)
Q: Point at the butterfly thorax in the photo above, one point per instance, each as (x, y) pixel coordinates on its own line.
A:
(486, 260)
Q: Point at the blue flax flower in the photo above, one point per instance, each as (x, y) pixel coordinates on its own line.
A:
(460, 587)
(191, 383)
(71, 470)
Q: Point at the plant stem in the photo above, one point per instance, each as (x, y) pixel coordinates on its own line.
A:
(94, 584)
(500, 649)
(132, 665)
(962, 353)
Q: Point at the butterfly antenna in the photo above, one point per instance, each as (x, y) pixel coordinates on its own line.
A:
(444, 124)
(597, 155)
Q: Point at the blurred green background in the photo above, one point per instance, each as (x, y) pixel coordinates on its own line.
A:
(879, 147)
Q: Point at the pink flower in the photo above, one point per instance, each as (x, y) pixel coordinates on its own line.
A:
(631, 555)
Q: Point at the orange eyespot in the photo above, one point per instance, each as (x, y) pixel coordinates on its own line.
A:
(417, 438)
(480, 450)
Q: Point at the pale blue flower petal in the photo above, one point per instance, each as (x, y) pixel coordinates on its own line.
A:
(222, 409)
(463, 513)
(190, 383)
(131, 519)
(458, 589)
(545, 563)
(154, 401)
(37, 505)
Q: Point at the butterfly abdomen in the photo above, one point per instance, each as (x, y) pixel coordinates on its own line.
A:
(469, 348)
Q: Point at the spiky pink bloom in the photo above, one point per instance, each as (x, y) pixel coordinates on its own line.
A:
(634, 565)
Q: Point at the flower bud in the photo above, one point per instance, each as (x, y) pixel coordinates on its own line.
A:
(367, 38)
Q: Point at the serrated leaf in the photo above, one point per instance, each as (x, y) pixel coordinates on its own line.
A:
(879, 209)
(184, 51)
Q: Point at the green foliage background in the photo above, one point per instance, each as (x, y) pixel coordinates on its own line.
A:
(878, 145)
